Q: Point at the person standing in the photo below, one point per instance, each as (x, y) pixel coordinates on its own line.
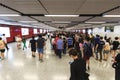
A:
(19, 40)
(2, 48)
(59, 47)
(24, 43)
(5, 40)
(64, 45)
(100, 46)
(116, 65)
(77, 67)
(32, 43)
(115, 46)
(40, 43)
(88, 50)
(106, 50)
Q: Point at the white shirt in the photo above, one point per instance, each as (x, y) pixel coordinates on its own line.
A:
(4, 39)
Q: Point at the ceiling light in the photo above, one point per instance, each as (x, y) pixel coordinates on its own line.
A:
(111, 15)
(62, 15)
(61, 22)
(95, 22)
(9, 15)
(28, 21)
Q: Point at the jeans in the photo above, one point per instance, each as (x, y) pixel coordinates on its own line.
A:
(59, 53)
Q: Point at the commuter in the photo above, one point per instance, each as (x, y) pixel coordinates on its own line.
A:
(106, 50)
(87, 51)
(32, 43)
(100, 47)
(40, 43)
(96, 41)
(24, 43)
(19, 40)
(59, 47)
(77, 67)
(64, 45)
(115, 46)
(2, 48)
(116, 65)
(70, 42)
(5, 40)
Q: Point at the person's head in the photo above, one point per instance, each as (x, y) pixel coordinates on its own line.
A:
(117, 58)
(87, 38)
(0, 38)
(3, 34)
(116, 38)
(73, 53)
(40, 36)
(101, 37)
(33, 37)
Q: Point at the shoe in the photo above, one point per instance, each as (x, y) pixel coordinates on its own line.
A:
(33, 56)
(100, 60)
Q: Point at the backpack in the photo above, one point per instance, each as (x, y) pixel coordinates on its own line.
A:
(88, 50)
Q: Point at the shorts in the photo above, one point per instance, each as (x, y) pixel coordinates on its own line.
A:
(40, 50)
(2, 50)
(106, 51)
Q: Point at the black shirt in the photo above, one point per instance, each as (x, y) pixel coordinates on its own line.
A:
(40, 42)
(77, 69)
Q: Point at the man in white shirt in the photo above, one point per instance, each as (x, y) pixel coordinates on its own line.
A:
(5, 40)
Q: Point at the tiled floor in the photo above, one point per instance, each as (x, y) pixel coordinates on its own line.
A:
(19, 65)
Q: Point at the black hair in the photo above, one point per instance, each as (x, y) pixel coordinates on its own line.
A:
(73, 52)
(33, 37)
(40, 36)
(116, 38)
(0, 38)
(101, 37)
(87, 38)
(117, 58)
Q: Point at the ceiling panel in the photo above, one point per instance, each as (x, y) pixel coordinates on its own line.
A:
(79, 18)
(20, 18)
(62, 6)
(44, 18)
(114, 12)
(97, 6)
(6, 11)
(25, 6)
(105, 19)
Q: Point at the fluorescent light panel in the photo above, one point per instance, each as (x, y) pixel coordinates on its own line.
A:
(61, 22)
(111, 15)
(95, 22)
(62, 15)
(28, 21)
(9, 15)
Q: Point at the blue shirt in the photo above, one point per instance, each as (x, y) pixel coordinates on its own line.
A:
(59, 44)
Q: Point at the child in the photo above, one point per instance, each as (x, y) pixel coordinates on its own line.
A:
(116, 65)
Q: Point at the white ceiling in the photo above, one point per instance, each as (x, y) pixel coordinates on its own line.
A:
(68, 7)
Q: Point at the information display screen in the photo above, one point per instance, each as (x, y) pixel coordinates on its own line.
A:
(25, 31)
(35, 31)
(5, 30)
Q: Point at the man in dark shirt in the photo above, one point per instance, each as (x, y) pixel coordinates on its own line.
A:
(40, 45)
(100, 47)
(32, 43)
(77, 67)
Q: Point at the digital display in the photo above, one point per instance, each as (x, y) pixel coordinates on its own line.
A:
(25, 31)
(109, 29)
(5, 30)
(35, 31)
(41, 30)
